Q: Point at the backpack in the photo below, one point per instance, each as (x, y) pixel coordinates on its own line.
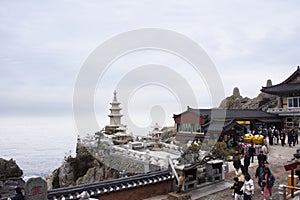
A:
(270, 181)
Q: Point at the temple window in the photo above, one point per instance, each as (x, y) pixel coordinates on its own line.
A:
(293, 102)
(190, 127)
(185, 127)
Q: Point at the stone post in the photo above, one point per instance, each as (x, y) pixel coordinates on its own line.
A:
(224, 169)
(36, 189)
(167, 161)
(147, 162)
(280, 192)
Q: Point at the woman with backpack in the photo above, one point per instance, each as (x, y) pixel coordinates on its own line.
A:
(268, 182)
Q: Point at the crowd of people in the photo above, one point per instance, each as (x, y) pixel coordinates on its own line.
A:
(285, 136)
(243, 187)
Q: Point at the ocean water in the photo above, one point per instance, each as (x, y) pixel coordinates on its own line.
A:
(37, 144)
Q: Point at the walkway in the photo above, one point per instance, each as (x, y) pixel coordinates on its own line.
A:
(279, 156)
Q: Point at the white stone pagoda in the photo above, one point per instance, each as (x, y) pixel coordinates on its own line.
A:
(114, 116)
(156, 134)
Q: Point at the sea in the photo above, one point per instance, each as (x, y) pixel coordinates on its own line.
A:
(37, 144)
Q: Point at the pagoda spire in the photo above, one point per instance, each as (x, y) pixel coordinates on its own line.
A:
(115, 96)
(115, 115)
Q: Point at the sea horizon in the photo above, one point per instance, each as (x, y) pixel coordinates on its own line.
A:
(37, 144)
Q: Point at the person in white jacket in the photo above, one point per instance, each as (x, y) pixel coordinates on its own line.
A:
(248, 188)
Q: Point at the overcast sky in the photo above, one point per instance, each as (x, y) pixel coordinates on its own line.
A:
(45, 43)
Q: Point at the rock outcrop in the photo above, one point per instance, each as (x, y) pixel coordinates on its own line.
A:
(84, 168)
(9, 169)
(10, 177)
(263, 101)
(235, 101)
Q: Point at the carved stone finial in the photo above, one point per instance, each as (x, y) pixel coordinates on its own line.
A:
(269, 83)
(236, 92)
(115, 96)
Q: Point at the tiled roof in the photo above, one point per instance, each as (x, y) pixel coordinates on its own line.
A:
(226, 125)
(282, 88)
(114, 185)
(286, 87)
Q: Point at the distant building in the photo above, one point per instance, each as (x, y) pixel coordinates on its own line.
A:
(289, 104)
(194, 123)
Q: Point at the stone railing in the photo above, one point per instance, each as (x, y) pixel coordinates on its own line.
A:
(163, 162)
(172, 148)
(283, 192)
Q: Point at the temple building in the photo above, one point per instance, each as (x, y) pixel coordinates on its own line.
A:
(114, 116)
(288, 109)
(194, 123)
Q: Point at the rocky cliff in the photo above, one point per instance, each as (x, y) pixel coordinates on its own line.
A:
(263, 101)
(84, 168)
(9, 169)
(10, 177)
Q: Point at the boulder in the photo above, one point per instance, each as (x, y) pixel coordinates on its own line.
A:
(10, 177)
(9, 169)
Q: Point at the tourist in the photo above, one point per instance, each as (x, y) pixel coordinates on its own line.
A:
(261, 158)
(236, 161)
(237, 189)
(282, 137)
(295, 137)
(181, 182)
(19, 195)
(265, 151)
(251, 152)
(276, 136)
(265, 132)
(260, 175)
(270, 136)
(290, 137)
(248, 188)
(240, 173)
(268, 182)
(247, 159)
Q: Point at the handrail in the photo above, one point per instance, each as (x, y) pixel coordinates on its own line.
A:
(174, 170)
(284, 193)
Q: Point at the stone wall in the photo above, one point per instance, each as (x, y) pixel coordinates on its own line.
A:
(131, 166)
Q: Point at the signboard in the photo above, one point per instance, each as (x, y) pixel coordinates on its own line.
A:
(36, 189)
(291, 166)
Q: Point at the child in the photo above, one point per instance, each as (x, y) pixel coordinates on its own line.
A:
(237, 186)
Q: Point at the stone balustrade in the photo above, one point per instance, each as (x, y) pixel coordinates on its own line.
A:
(163, 162)
(171, 148)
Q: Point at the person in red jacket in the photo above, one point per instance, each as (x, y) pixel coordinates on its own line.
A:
(268, 182)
